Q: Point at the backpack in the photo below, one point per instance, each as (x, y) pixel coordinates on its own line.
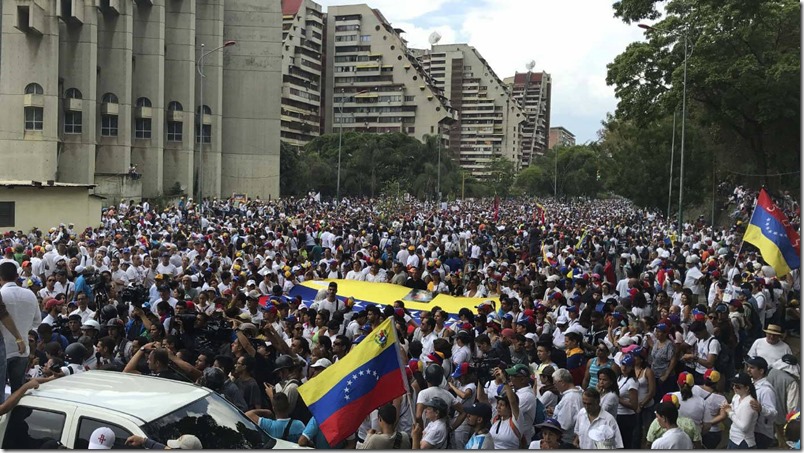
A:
(541, 413)
(755, 330)
(724, 359)
(300, 412)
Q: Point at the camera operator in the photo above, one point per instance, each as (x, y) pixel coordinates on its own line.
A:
(85, 281)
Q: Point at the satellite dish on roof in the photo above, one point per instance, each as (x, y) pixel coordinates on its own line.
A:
(531, 64)
(434, 38)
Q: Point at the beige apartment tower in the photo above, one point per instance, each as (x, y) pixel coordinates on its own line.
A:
(91, 88)
(373, 82)
(559, 137)
(532, 90)
(490, 120)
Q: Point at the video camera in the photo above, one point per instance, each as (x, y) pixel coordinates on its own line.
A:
(485, 366)
(136, 295)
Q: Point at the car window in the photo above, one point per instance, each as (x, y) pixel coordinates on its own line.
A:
(30, 428)
(216, 423)
(87, 425)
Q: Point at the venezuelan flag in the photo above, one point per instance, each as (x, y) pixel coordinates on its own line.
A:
(770, 231)
(369, 376)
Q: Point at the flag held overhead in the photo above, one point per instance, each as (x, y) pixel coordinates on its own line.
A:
(771, 232)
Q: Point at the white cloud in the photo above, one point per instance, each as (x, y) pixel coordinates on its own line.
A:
(395, 10)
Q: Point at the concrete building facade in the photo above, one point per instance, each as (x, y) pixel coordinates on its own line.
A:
(559, 136)
(490, 120)
(92, 87)
(302, 66)
(532, 90)
(374, 83)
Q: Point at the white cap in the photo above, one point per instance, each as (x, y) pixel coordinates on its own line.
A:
(91, 324)
(532, 336)
(251, 282)
(677, 282)
(562, 319)
(185, 442)
(321, 363)
(79, 269)
(625, 341)
(101, 439)
(553, 278)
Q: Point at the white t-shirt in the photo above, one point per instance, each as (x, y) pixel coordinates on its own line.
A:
(626, 384)
(703, 348)
(672, 439)
(506, 434)
(435, 433)
(692, 408)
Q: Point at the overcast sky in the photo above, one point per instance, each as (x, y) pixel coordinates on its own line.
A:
(573, 40)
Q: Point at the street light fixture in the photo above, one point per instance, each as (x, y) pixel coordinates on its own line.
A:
(683, 123)
(200, 68)
(340, 139)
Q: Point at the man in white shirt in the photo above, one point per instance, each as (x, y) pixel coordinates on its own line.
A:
(83, 308)
(771, 348)
(765, 403)
(23, 307)
(674, 438)
(567, 409)
(592, 416)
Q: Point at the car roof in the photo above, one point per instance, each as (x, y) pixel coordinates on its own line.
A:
(144, 397)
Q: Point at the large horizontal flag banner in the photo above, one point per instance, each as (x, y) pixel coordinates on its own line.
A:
(369, 376)
(369, 293)
(770, 231)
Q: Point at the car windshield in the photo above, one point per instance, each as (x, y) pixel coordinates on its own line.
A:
(216, 423)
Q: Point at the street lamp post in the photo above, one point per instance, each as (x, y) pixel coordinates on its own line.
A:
(683, 124)
(672, 157)
(340, 141)
(200, 68)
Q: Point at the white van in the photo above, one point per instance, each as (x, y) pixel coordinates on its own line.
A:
(69, 409)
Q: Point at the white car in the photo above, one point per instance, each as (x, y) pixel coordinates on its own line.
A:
(69, 409)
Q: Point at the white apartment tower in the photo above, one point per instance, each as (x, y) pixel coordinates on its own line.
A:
(532, 91)
(302, 40)
(373, 82)
(490, 123)
(91, 87)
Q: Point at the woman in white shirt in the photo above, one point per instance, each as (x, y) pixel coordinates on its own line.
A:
(628, 403)
(609, 392)
(743, 417)
(692, 406)
(713, 400)
(505, 429)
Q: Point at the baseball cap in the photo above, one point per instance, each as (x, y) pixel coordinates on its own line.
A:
(436, 403)
(551, 423)
(185, 442)
(757, 362)
(91, 324)
(518, 370)
(462, 370)
(670, 398)
(741, 378)
(685, 378)
(478, 409)
(628, 360)
(50, 303)
(101, 439)
(508, 333)
(711, 375)
(321, 363)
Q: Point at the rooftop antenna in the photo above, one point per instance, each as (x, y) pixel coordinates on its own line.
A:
(531, 64)
(434, 38)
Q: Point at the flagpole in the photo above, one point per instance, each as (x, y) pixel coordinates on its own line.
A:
(742, 241)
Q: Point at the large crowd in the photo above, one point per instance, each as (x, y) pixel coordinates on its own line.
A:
(596, 324)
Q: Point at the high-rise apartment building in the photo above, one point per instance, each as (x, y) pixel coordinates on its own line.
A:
(489, 123)
(373, 82)
(90, 88)
(559, 136)
(302, 38)
(532, 91)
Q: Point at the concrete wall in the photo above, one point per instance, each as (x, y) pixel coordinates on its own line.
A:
(115, 43)
(118, 187)
(209, 31)
(25, 53)
(48, 206)
(78, 63)
(179, 82)
(148, 81)
(252, 98)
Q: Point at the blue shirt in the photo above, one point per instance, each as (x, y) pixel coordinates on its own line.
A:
(81, 286)
(276, 428)
(480, 442)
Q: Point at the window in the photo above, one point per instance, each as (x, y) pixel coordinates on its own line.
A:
(109, 98)
(87, 425)
(109, 125)
(143, 102)
(207, 110)
(365, 38)
(174, 106)
(142, 128)
(34, 88)
(215, 422)
(72, 122)
(174, 131)
(34, 118)
(207, 128)
(73, 93)
(31, 427)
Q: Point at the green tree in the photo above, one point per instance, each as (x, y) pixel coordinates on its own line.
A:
(501, 175)
(743, 72)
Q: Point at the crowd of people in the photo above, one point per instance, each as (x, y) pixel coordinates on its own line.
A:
(596, 324)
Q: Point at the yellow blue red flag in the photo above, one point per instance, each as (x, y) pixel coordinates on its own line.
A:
(771, 232)
(369, 376)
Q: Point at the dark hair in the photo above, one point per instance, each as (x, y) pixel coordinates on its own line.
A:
(669, 411)
(249, 363)
(612, 378)
(387, 413)
(226, 363)
(592, 392)
(281, 403)
(574, 336)
(160, 356)
(8, 271)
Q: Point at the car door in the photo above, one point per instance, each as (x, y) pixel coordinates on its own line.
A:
(36, 426)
